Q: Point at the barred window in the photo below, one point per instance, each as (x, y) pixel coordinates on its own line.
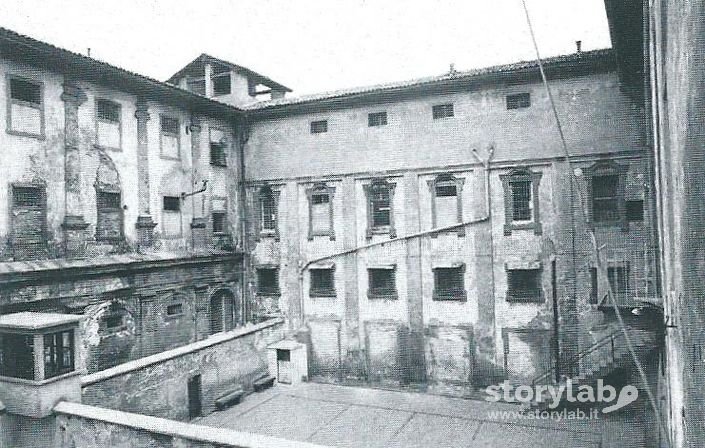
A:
(524, 285)
(322, 283)
(174, 309)
(268, 281)
(268, 210)
(443, 111)
(521, 199)
(377, 119)
(449, 283)
(380, 204)
(109, 212)
(382, 283)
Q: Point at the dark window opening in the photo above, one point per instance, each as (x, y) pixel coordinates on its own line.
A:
(172, 203)
(169, 126)
(443, 111)
(175, 309)
(445, 190)
(605, 203)
(319, 198)
(319, 127)
(381, 206)
(109, 215)
(524, 284)
(268, 281)
(26, 91)
(593, 286)
(108, 111)
(268, 210)
(322, 283)
(218, 154)
(521, 200)
(518, 101)
(449, 284)
(197, 86)
(113, 321)
(635, 210)
(618, 277)
(377, 119)
(219, 222)
(27, 196)
(58, 353)
(17, 356)
(221, 84)
(382, 284)
(283, 355)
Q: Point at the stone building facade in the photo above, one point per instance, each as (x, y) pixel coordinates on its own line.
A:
(429, 231)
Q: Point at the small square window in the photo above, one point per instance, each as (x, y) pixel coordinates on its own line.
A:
(382, 284)
(518, 101)
(172, 203)
(319, 127)
(221, 84)
(449, 284)
(377, 119)
(108, 111)
(322, 283)
(443, 111)
(219, 222)
(268, 281)
(524, 285)
(175, 309)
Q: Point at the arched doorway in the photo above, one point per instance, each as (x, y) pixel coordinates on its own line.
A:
(223, 311)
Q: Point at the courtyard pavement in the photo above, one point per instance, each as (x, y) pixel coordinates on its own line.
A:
(341, 416)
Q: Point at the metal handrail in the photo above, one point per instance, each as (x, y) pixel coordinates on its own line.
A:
(580, 356)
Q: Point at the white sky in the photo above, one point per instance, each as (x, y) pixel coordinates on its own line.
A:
(311, 45)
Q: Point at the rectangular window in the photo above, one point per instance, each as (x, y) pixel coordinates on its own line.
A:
(521, 200)
(28, 238)
(594, 286)
(196, 85)
(605, 203)
(17, 356)
(169, 137)
(377, 119)
(381, 207)
(635, 210)
(58, 353)
(268, 211)
(268, 281)
(221, 83)
(322, 283)
(171, 216)
(524, 285)
(449, 283)
(518, 101)
(443, 111)
(618, 277)
(319, 127)
(219, 222)
(25, 107)
(382, 284)
(108, 124)
(446, 205)
(175, 309)
(109, 222)
(218, 147)
(320, 213)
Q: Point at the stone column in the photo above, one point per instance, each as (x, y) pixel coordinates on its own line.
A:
(198, 222)
(145, 224)
(74, 226)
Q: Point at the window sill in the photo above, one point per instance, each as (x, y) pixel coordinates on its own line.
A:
(525, 299)
(323, 294)
(326, 233)
(381, 230)
(269, 294)
(460, 296)
(271, 234)
(219, 165)
(39, 136)
(382, 296)
(519, 225)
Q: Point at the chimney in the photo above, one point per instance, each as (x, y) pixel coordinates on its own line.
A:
(578, 45)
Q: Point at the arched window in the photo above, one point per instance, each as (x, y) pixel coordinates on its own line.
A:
(380, 207)
(320, 208)
(447, 201)
(521, 200)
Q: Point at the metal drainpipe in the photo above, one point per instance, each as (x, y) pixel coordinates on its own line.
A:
(242, 139)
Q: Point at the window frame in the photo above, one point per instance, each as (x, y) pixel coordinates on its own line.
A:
(442, 111)
(260, 195)
(10, 101)
(521, 174)
(98, 120)
(369, 190)
(163, 117)
(608, 168)
(452, 294)
(321, 291)
(441, 180)
(316, 189)
(100, 210)
(273, 290)
(537, 296)
(379, 293)
(57, 353)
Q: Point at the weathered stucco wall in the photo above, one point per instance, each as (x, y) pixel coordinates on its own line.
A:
(157, 385)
